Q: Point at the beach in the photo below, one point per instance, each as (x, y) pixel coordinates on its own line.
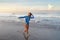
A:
(14, 31)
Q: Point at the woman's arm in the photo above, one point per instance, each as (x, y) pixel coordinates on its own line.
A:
(21, 17)
(32, 16)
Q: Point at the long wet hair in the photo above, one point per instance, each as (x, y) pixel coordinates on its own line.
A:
(30, 13)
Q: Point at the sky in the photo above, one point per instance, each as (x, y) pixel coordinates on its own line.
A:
(27, 5)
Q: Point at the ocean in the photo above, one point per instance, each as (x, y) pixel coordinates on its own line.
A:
(45, 26)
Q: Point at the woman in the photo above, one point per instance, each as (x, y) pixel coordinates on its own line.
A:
(27, 19)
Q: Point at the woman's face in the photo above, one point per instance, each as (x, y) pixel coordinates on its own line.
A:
(29, 14)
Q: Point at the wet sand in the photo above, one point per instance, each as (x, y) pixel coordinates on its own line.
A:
(14, 31)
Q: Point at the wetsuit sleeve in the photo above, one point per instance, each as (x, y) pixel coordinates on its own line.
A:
(32, 17)
(22, 17)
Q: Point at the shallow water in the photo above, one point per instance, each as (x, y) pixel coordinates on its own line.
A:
(14, 31)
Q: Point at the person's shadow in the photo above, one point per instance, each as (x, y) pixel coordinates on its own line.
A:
(26, 37)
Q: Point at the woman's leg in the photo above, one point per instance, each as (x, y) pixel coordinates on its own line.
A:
(26, 28)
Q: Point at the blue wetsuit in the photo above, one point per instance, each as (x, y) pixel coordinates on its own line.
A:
(27, 19)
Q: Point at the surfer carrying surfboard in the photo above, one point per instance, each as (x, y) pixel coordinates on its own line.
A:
(27, 19)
